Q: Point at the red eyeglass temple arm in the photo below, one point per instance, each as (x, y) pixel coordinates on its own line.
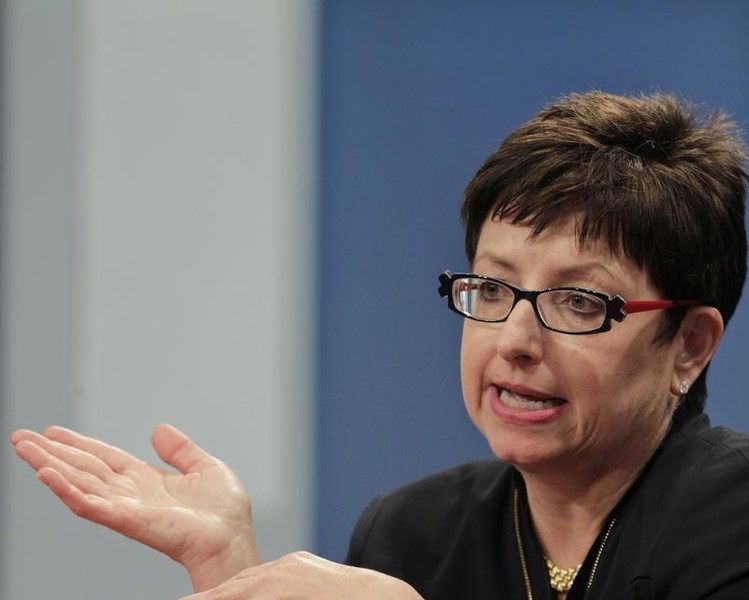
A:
(643, 305)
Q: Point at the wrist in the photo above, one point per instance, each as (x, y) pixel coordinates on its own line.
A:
(238, 554)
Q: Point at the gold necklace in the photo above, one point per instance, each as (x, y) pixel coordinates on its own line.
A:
(561, 580)
(524, 565)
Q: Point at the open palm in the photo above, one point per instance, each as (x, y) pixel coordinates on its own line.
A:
(200, 516)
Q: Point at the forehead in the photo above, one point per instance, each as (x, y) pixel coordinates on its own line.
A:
(553, 253)
(562, 235)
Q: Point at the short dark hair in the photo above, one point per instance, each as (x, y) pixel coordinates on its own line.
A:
(656, 178)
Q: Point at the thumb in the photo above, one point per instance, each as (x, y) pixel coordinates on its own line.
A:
(179, 451)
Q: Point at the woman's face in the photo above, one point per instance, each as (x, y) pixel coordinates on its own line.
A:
(543, 398)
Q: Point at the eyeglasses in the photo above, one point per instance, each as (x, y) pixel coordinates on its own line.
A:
(563, 309)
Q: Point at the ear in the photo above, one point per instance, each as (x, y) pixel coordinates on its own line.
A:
(698, 337)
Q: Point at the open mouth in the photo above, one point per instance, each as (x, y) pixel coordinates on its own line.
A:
(515, 399)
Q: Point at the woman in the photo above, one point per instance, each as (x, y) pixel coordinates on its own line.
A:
(607, 251)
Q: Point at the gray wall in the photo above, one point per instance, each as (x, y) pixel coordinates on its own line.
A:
(147, 213)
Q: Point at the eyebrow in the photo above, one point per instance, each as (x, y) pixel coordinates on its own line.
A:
(584, 269)
(494, 260)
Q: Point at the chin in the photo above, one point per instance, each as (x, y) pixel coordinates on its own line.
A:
(520, 453)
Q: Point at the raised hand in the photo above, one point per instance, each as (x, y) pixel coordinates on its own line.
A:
(303, 576)
(200, 516)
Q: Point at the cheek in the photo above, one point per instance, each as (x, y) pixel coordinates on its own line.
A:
(593, 376)
(475, 352)
(643, 362)
(632, 380)
(650, 376)
(471, 376)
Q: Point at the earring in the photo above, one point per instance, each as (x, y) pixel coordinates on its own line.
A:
(683, 388)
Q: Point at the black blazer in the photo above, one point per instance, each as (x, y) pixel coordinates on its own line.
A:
(680, 533)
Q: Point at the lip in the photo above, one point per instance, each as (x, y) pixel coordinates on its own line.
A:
(511, 409)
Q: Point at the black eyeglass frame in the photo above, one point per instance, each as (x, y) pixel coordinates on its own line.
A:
(616, 307)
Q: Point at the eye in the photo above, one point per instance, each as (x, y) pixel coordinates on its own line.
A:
(490, 290)
(582, 303)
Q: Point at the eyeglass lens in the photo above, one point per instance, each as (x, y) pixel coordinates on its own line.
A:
(563, 309)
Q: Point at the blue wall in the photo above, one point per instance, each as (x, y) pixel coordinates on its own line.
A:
(414, 96)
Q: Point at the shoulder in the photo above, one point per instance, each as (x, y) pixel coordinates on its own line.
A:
(471, 482)
(711, 456)
(695, 468)
(723, 442)
(693, 512)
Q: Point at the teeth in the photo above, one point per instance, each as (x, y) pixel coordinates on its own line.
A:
(515, 400)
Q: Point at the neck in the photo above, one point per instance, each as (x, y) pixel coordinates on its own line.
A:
(568, 526)
(569, 508)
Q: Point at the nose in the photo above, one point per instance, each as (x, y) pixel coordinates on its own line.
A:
(518, 339)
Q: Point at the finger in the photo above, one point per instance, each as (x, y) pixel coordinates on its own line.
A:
(114, 514)
(84, 494)
(22, 434)
(43, 452)
(88, 506)
(179, 451)
(116, 458)
(40, 459)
